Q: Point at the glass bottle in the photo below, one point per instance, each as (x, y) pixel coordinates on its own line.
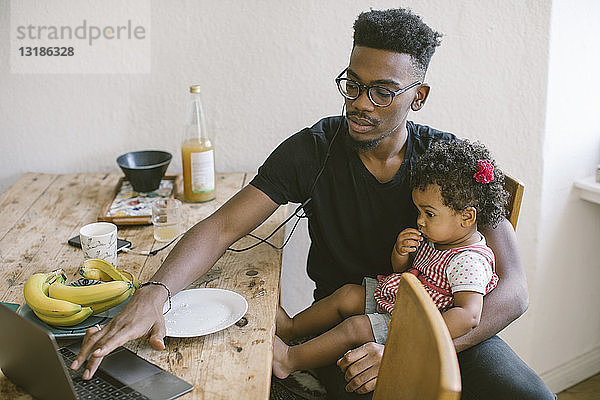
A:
(197, 153)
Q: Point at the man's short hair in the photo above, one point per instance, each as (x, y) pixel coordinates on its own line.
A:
(397, 30)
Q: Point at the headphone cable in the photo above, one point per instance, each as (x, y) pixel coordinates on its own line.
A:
(301, 206)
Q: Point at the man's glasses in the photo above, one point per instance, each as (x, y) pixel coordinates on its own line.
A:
(379, 95)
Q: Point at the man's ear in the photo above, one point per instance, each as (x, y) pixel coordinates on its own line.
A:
(420, 97)
(468, 217)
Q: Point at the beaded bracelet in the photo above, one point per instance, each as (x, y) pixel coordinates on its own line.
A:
(159, 284)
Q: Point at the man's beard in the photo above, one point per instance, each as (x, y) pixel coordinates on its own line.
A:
(365, 145)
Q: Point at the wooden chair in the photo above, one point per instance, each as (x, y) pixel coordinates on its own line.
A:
(515, 189)
(419, 361)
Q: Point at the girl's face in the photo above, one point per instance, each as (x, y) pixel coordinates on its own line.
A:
(437, 222)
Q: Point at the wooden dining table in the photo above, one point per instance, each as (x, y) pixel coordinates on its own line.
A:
(40, 212)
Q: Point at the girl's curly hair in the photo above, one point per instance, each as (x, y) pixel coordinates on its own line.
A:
(452, 165)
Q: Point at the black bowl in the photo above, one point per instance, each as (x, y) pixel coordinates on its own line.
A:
(144, 169)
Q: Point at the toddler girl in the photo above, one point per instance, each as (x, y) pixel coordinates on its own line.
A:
(456, 188)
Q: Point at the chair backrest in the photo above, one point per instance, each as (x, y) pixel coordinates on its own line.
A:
(515, 189)
(419, 360)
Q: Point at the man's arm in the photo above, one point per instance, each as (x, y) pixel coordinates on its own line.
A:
(196, 252)
(509, 300)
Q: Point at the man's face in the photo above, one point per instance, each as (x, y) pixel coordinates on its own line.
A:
(367, 123)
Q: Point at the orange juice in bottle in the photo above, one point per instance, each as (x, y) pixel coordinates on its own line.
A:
(198, 154)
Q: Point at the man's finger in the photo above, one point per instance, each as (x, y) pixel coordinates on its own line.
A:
(101, 343)
(157, 336)
(367, 387)
(357, 368)
(357, 380)
(92, 335)
(91, 367)
(351, 357)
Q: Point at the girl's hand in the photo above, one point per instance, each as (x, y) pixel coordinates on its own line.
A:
(408, 241)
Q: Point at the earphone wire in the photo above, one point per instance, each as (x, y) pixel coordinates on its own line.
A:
(300, 207)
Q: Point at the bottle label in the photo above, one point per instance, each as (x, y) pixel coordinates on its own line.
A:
(203, 171)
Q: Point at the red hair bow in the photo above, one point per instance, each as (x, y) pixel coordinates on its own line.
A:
(485, 171)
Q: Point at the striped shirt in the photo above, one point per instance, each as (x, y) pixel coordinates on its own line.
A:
(444, 272)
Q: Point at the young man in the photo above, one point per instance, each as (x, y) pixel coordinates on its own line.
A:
(354, 170)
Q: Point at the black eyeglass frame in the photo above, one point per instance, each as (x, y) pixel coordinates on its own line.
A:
(368, 88)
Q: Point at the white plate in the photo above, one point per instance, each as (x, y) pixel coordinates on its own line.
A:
(197, 312)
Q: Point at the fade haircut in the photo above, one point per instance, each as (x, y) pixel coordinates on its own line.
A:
(400, 31)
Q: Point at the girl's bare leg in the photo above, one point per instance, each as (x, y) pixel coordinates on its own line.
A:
(328, 312)
(323, 350)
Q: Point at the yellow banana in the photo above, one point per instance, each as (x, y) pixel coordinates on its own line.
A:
(105, 267)
(97, 275)
(66, 321)
(94, 273)
(86, 295)
(131, 278)
(107, 305)
(35, 292)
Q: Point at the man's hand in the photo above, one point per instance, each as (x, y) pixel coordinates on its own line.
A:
(139, 317)
(361, 366)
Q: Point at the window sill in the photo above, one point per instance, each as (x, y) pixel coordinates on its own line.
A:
(589, 189)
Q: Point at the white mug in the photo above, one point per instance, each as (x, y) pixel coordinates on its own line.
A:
(99, 240)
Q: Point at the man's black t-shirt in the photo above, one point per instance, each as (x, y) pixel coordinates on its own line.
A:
(353, 219)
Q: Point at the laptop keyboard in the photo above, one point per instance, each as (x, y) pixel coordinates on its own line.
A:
(101, 386)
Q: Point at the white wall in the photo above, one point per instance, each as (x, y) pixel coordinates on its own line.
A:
(278, 59)
(567, 319)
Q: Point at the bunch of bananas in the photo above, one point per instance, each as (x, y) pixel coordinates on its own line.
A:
(59, 304)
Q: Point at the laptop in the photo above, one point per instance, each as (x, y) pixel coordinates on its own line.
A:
(31, 359)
